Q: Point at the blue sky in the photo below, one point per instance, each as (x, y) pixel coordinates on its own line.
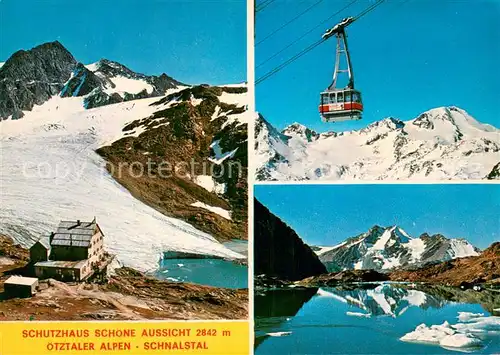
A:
(408, 57)
(202, 41)
(328, 214)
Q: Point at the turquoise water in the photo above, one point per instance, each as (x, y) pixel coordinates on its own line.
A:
(211, 272)
(317, 321)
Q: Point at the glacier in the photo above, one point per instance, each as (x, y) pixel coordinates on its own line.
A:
(50, 171)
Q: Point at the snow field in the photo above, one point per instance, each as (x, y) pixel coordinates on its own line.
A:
(50, 171)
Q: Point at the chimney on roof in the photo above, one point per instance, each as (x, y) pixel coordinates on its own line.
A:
(51, 237)
(78, 222)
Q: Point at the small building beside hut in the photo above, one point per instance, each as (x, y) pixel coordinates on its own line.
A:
(19, 286)
(73, 253)
(40, 251)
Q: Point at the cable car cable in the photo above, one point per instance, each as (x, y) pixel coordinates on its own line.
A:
(289, 22)
(311, 47)
(370, 8)
(305, 34)
(263, 5)
(289, 61)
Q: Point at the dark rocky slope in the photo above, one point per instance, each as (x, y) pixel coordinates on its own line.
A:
(494, 174)
(31, 77)
(279, 251)
(183, 133)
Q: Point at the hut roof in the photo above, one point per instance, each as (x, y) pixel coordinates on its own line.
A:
(74, 233)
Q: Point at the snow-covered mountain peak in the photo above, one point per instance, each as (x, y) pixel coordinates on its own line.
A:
(113, 68)
(427, 236)
(93, 66)
(110, 66)
(381, 237)
(385, 125)
(400, 234)
(272, 145)
(444, 120)
(300, 131)
(385, 248)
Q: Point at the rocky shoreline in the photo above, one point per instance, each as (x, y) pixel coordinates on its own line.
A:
(126, 294)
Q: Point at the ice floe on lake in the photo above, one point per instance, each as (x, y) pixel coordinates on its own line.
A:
(279, 334)
(468, 333)
(358, 314)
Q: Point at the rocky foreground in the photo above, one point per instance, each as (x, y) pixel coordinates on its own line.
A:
(127, 294)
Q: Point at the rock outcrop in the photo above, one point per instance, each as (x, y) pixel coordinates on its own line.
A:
(344, 277)
(31, 77)
(279, 251)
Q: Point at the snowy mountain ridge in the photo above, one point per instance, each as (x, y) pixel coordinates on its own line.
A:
(444, 143)
(31, 77)
(106, 82)
(386, 248)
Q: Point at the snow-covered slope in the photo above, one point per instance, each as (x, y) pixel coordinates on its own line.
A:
(50, 171)
(441, 144)
(391, 247)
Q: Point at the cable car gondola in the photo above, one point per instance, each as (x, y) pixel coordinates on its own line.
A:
(341, 104)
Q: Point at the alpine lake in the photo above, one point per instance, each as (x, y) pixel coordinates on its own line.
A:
(207, 270)
(371, 318)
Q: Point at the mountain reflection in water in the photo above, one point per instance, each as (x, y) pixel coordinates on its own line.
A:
(343, 320)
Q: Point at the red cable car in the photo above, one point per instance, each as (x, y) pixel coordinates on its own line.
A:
(341, 104)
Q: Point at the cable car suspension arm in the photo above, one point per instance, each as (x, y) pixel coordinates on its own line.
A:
(314, 45)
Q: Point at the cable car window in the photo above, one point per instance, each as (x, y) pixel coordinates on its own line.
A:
(347, 97)
(355, 97)
(332, 98)
(340, 97)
